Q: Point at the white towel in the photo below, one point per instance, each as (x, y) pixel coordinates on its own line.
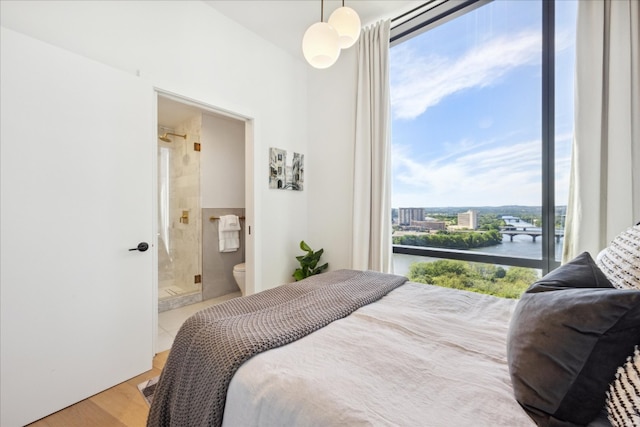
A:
(229, 223)
(228, 233)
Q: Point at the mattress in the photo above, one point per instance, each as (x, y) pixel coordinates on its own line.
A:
(420, 356)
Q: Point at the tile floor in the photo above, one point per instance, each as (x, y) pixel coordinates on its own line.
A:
(170, 321)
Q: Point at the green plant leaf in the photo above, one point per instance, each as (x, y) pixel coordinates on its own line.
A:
(298, 274)
(305, 247)
(308, 262)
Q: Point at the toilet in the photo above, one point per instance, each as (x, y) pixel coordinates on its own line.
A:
(238, 275)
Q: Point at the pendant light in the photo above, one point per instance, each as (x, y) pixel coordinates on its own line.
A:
(347, 23)
(320, 44)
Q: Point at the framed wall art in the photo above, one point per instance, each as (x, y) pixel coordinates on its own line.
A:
(286, 172)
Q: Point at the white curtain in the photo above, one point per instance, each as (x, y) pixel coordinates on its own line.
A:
(372, 157)
(604, 197)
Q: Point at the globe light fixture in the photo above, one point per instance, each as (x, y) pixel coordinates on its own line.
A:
(347, 23)
(320, 44)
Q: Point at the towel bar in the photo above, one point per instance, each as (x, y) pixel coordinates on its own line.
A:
(215, 218)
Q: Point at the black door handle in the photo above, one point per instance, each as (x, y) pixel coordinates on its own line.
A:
(142, 246)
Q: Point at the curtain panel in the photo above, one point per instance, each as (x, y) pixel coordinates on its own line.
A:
(604, 195)
(372, 156)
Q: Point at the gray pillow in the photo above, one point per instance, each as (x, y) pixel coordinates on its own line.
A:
(569, 333)
(581, 272)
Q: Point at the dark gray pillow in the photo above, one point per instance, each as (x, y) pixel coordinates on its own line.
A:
(581, 272)
(569, 333)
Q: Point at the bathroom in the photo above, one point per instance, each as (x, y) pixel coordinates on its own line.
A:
(201, 181)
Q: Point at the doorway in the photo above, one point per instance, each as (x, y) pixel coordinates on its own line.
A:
(201, 176)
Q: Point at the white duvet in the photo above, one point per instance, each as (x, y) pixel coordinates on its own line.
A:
(420, 356)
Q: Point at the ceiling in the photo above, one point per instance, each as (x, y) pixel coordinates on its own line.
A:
(284, 22)
(172, 113)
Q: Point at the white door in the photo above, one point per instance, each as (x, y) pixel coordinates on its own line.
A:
(77, 146)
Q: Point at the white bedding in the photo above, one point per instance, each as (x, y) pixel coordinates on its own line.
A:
(420, 356)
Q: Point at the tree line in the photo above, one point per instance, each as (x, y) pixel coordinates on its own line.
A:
(451, 240)
(476, 277)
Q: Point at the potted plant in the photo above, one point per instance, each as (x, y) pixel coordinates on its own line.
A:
(308, 263)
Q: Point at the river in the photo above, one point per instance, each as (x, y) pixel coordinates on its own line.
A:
(522, 246)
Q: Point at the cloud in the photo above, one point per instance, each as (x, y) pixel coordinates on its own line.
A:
(496, 175)
(420, 81)
(478, 173)
(504, 170)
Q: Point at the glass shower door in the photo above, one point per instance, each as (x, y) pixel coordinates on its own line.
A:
(179, 219)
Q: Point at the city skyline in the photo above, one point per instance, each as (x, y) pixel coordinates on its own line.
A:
(466, 109)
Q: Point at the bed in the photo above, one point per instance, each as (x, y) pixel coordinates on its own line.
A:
(355, 348)
(420, 356)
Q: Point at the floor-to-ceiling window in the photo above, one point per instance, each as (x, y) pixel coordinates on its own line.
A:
(482, 123)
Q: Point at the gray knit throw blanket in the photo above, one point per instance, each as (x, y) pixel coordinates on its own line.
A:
(212, 344)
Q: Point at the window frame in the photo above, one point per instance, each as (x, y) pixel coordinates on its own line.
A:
(437, 12)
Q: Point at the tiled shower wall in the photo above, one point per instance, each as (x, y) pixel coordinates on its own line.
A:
(185, 196)
(217, 267)
(179, 268)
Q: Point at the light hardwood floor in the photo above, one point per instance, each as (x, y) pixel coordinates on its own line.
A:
(119, 406)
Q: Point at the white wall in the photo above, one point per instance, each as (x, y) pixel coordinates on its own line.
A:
(329, 165)
(222, 162)
(188, 48)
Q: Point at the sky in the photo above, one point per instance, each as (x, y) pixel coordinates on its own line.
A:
(466, 109)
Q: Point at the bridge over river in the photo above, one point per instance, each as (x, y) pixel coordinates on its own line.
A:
(516, 226)
(533, 232)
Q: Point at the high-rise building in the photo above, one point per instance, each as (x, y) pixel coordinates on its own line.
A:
(406, 215)
(468, 220)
